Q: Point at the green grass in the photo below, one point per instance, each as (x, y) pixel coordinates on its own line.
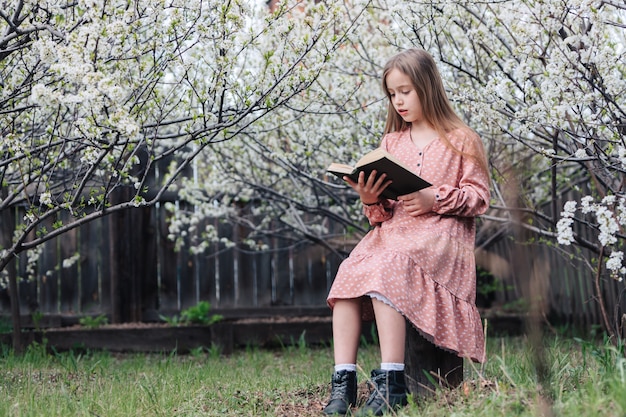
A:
(584, 379)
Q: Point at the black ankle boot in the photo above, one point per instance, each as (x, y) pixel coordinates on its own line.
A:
(387, 392)
(342, 394)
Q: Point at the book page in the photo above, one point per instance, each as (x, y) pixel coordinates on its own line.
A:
(341, 168)
(372, 156)
(378, 154)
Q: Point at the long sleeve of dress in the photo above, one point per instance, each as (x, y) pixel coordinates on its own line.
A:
(378, 213)
(469, 199)
(470, 196)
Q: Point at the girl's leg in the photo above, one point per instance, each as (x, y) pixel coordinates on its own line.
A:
(346, 330)
(346, 334)
(391, 327)
(389, 382)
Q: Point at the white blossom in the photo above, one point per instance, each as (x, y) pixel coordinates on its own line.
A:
(608, 226)
(580, 153)
(615, 264)
(586, 204)
(29, 217)
(565, 234)
(90, 155)
(45, 198)
(69, 262)
(609, 200)
(621, 154)
(568, 209)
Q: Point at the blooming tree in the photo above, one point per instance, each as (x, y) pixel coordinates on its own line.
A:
(95, 95)
(252, 106)
(276, 169)
(541, 82)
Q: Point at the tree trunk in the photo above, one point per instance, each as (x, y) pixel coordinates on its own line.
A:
(429, 367)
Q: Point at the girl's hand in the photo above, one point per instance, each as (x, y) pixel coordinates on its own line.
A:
(419, 202)
(369, 188)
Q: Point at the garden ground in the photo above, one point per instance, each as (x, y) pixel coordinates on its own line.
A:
(584, 379)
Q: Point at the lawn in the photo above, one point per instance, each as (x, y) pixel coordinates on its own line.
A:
(584, 379)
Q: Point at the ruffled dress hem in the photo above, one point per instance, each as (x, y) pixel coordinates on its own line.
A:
(451, 323)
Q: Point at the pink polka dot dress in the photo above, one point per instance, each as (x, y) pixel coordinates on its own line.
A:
(424, 266)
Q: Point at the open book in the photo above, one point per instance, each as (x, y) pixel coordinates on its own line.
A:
(403, 180)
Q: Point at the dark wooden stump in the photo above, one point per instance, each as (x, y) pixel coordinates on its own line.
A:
(428, 367)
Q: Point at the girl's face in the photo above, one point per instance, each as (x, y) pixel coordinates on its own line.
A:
(403, 96)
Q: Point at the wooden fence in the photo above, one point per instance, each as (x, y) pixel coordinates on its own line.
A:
(565, 278)
(569, 286)
(129, 270)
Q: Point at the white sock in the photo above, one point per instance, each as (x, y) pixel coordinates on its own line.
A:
(350, 367)
(391, 366)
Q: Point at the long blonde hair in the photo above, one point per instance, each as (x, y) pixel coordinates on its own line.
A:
(437, 111)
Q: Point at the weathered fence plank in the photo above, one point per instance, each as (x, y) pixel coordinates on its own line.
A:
(91, 267)
(167, 260)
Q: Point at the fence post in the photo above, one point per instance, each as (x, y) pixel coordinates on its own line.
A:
(125, 232)
(116, 251)
(428, 366)
(7, 227)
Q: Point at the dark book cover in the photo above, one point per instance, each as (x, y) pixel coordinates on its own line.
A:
(404, 181)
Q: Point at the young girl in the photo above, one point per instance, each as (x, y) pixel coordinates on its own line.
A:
(417, 263)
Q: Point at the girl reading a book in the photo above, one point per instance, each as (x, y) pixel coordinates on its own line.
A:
(417, 262)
